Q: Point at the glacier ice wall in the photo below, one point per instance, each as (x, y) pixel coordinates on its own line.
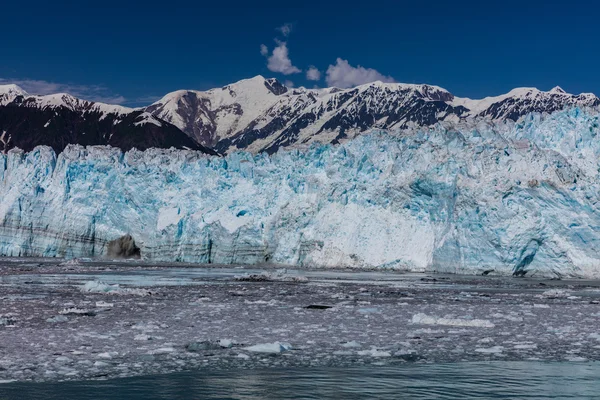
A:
(456, 199)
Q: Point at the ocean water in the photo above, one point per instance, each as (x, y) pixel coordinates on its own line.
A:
(490, 380)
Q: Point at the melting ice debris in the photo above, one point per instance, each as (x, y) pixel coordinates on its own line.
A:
(77, 312)
(556, 293)
(272, 348)
(101, 287)
(108, 355)
(162, 350)
(374, 352)
(351, 344)
(204, 345)
(490, 350)
(226, 343)
(454, 198)
(423, 319)
(57, 318)
(7, 320)
(74, 262)
(525, 346)
(280, 275)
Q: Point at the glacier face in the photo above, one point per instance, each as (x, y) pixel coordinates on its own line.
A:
(462, 198)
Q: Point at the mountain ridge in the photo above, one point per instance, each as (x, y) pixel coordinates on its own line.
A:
(267, 120)
(260, 114)
(57, 120)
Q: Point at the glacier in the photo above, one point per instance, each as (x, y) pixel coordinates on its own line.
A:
(460, 198)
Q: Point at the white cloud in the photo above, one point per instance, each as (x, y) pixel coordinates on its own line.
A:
(87, 92)
(264, 50)
(313, 74)
(343, 75)
(289, 84)
(285, 29)
(280, 61)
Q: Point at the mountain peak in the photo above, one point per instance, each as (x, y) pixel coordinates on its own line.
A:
(557, 90)
(12, 89)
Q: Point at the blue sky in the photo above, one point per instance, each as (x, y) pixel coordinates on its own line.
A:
(132, 52)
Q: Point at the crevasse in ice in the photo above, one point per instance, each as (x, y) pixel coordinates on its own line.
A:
(461, 198)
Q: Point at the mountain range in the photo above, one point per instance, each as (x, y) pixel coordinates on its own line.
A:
(256, 115)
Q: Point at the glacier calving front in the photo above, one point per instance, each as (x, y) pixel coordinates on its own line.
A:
(501, 197)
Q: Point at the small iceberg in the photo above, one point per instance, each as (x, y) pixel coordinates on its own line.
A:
(271, 348)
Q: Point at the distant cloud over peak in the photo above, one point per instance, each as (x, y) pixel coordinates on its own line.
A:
(279, 61)
(343, 75)
(313, 74)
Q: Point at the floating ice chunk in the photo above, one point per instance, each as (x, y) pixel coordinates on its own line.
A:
(429, 331)
(200, 346)
(268, 303)
(556, 293)
(7, 320)
(74, 262)
(77, 311)
(98, 287)
(490, 350)
(351, 344)
(101, 287)
(163, 350)
(225, 343)
(541, 306)
(243, 356)
(263, 277)
(368, 310)
(107, 355)
(142, 337)
(58, 318)
(514, 318)
(424, 319)
(101, 364)
(272, 348)
(374, 352)
(280, 275)
(103, 304)
(595, 336)
(525, 346)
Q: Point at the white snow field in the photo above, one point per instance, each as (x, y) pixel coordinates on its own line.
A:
(453, 198)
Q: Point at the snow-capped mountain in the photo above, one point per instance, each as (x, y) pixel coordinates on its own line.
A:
(256, 115)
(60, 119)
(261, 114)
(217, 114)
